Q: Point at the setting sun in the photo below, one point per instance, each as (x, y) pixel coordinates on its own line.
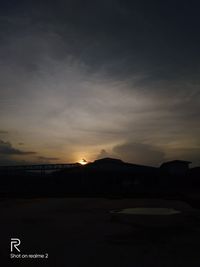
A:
(83, 162)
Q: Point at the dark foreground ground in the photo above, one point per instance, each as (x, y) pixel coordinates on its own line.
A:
(79, 232)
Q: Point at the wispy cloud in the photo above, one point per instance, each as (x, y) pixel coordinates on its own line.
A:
(72, 82)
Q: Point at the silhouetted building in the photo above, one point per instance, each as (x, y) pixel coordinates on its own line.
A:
(175, 167)
(108, 175)
(194, 177)
(103, 176)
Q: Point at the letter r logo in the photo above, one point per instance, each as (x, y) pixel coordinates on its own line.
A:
(14, 243)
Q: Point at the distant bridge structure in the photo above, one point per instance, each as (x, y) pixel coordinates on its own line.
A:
(39, 167)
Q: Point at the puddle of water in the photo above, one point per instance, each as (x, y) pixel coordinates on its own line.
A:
(148, 211)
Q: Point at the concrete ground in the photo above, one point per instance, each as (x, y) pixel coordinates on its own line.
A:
(76, 232)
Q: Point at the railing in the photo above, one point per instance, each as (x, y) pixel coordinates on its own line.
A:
(40, 167)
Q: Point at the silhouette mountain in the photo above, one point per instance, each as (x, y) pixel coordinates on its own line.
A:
(115, 164)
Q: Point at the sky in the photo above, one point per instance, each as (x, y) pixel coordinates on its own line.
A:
(99, 78)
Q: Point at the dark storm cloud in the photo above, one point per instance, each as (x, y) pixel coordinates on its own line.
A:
(6, 148)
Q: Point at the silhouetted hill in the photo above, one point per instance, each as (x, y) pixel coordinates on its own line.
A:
(107, 175)
(108, 161)
(113, 164)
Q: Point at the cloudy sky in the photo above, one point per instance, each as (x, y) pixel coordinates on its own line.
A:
(98, 78)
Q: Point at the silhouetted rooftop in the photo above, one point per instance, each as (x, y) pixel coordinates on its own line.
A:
(175, 162)
(113, 164)
(108, 161)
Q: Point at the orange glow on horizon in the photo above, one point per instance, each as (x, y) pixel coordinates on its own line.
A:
(83, 162)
